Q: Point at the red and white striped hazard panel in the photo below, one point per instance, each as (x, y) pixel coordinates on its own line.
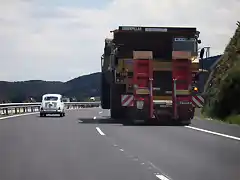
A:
(197, 101)
(127, 100)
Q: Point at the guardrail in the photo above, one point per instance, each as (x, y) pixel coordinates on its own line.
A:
(17, 108)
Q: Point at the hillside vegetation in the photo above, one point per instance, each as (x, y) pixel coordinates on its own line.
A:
(222, 90)
(79, 88)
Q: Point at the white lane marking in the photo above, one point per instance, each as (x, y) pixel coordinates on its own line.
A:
(100, 131)
(17, 115)
(121, 149)
(94, 117)
(155, 167)
(162, 177)
(215, 133)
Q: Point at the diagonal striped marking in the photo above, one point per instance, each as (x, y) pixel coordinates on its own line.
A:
(125, 99)
(200, 98)
(130, 99)
(196, 102)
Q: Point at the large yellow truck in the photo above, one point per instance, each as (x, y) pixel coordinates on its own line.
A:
(148, 74)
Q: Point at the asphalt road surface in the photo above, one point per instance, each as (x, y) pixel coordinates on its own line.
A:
(86, 145)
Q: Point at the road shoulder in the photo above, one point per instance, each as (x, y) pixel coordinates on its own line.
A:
(215, 126)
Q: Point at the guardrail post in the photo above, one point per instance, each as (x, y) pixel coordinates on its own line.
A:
(15, 110)
(6, 111)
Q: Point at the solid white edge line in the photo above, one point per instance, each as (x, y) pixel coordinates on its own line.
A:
(17, 115)
(161, 177)
(215, 133)
(100, 131)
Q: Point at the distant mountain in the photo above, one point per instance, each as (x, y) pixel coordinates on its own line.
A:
(80, 88)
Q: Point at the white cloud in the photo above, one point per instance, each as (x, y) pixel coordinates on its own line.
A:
(35, 40)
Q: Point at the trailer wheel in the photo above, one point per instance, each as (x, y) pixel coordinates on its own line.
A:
(185, 122)
(116, 113)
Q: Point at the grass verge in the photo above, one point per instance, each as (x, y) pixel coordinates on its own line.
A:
(234, 119)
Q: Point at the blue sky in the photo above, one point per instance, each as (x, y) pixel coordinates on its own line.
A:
(62, 39)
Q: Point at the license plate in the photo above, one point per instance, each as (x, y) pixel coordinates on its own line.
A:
(185, 102)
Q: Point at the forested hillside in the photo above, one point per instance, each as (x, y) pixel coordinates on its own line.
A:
(80, 88)
(223, 87)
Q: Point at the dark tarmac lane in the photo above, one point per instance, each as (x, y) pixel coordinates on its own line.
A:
(82, 146)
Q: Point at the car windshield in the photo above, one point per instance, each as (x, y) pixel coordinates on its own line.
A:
(184, 44)
(51, 98)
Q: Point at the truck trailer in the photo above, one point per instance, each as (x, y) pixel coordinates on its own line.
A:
(150, 74)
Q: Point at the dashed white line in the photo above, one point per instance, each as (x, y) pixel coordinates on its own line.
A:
(155, 167)
(100, 131)
(121, 149)
(162, 177)
(215, 133)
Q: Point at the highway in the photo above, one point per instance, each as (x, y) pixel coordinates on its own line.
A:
(87, 145)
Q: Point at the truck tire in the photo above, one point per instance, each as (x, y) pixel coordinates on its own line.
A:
(105, 92)
(185, 121)
(117, 111)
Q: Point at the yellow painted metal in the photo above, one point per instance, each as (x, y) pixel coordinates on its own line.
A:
(142, 91)
(162, 97)
(183, 92)
(158, 65)
(126, 65)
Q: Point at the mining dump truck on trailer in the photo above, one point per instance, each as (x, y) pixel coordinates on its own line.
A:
(148, 74)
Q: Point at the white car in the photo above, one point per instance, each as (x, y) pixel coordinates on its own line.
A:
(52, 104)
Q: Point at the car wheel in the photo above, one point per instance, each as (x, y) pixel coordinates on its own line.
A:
(42, 115)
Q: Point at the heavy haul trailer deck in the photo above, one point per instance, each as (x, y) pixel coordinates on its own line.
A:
(147, 73)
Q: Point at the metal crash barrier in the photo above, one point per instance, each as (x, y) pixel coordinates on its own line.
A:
(20, 108)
